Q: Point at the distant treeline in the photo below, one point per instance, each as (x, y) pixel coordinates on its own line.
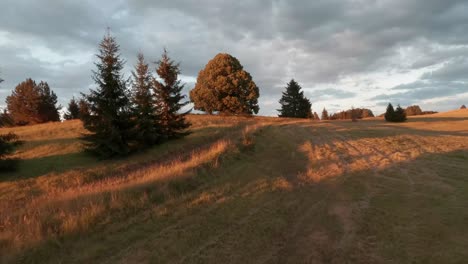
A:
(355, 113)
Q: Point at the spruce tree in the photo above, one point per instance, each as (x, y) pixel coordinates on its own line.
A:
(109, 115)
(325, 114)
(169, 99)
(144, 112)
(73, 110)
(316, 116)
(294, 103)
(48, 109)
(390, 113)
(400, 115)
(395, 115)
(84, 108)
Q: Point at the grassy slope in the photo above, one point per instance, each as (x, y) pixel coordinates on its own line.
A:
(261, 190)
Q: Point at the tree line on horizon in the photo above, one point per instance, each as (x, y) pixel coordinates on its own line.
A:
(124, 115)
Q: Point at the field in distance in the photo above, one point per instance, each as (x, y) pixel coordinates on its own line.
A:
(244, 190)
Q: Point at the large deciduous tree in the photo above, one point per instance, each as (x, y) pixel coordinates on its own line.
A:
(294, 103)
(224, 86)
(109, 116)
(169, 99)
(413, 110)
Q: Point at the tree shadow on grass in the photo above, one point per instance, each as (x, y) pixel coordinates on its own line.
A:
(29, 168)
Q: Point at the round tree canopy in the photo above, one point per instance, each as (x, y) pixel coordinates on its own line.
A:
(224, 86)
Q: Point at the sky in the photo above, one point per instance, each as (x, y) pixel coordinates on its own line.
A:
(344, 53)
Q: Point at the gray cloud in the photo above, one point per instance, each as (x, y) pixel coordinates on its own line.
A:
(320, 43)
(328, 94)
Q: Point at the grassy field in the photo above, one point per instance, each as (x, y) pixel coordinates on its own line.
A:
(244, 190)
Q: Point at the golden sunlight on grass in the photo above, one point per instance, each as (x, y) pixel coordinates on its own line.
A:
(343, 155)
(238, 189)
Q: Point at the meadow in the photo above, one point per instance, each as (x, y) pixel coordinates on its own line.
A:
(244, 190)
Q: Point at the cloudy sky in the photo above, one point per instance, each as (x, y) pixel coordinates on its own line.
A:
(361, 53)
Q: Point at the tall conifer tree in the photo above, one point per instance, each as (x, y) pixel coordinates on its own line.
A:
(325, 114)
(109, 114)
(390, 113)
(48, 109)
(400, 115)
(316, 116)
(169, 99)
(73, 110)
(147, 125)
(294, 103)
(84, 108)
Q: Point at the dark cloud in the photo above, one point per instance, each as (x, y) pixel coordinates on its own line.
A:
(322, 44)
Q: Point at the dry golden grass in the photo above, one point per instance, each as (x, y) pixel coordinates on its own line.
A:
(463, 113)
(253, 190)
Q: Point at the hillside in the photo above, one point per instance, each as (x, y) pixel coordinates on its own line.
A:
(244, 190)
(454, 113)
